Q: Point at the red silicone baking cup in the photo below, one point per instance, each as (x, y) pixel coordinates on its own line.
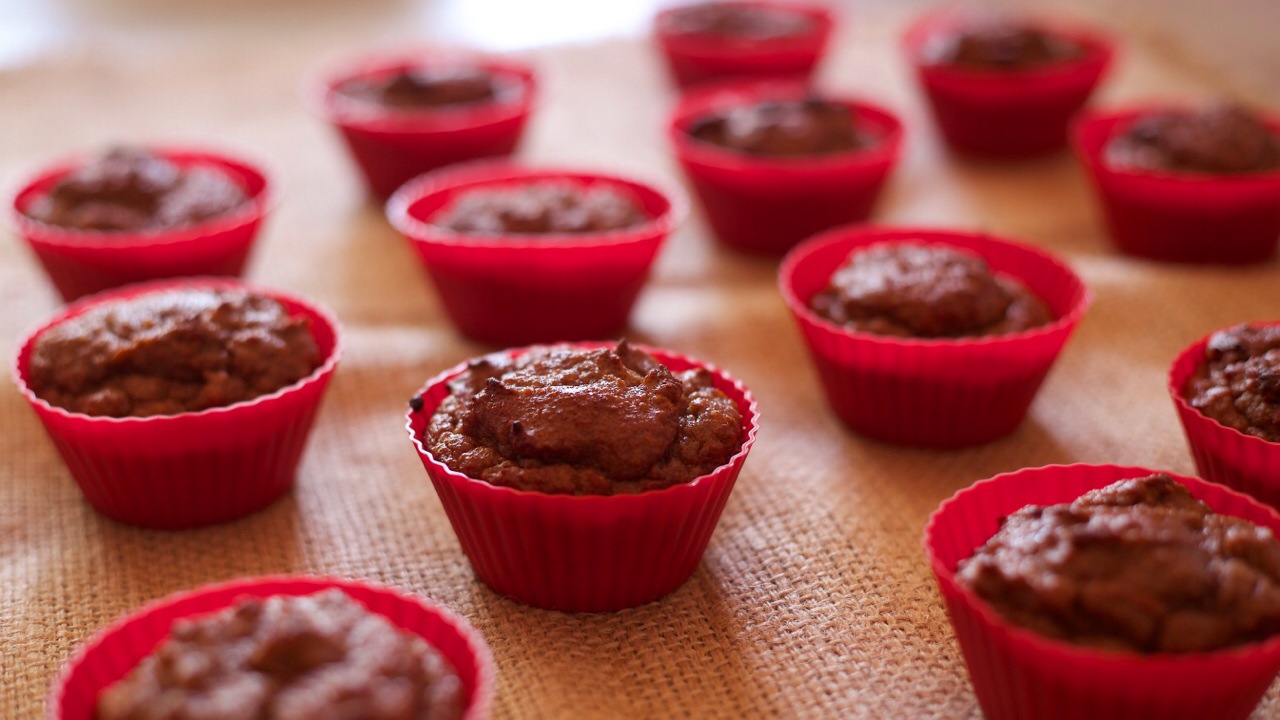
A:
(695, 57)
(195, 468)
(939, 393)
(766, 205)
(1019, 675)
(585, 553)
(1006, 113)
(519, 289)
(1179, 216)
(392, 147)
(117, 649)
(1224, 455)
(81, 262)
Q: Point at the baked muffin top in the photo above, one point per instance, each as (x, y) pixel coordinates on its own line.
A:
(425, 88)
(1219, 138)
(736, 21)
(1238, 384)
(540, 207)
(1001, 43)
(783, 128)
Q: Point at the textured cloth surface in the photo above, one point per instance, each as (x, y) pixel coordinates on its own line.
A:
(813, 599)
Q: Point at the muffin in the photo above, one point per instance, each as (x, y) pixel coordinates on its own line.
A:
(583, 478)
(521, 255)
(1004, 86)
(1189, 184)
(1145, 598)
(359, 649)
(181, 403)
(140, 213)
(403, 114)
(926, 337)
(773, 163)
(741, 40)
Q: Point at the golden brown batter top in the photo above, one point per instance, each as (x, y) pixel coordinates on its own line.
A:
(1239, 382)
(171, 351)
(1220, 138)
(783, 128)
(540, 207)
(313, 657)
(1138, 565)
(602, 421)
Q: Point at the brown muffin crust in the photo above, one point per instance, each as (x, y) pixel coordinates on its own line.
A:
(738, 21)
(783, 128)
(171, 351)
(926, 291)
(603, 421)
(1002, 44)
(541, 207)
(1238, 384)
(134, 189)
(1138, 565)
(424, 88)
(288, 658)
(1220, 138)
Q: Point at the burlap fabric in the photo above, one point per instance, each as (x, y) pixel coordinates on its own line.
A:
(813, 599)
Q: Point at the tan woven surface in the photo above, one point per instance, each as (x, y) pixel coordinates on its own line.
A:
(813, 599)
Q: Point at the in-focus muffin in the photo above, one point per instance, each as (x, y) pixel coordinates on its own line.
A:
(540, 208)
(1001, 43)
(418, 88)
(599, 421)
(134, 189)
(738, 21)
(1219, 138)
(288, 657)
(1238, 384)
(926, 291)
(784, 128)
(171, 351)
(1137, 565)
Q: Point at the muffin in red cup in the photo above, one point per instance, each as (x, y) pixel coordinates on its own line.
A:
(1224, 212)
(406, 113)
(158, 396)
(933, 390)
(596, 476)
(548, 253)
(727, 40)
(135, 214)
(1222, 386)
(788, 162)
(122, 647)
(1023, 673)
(1004, 87)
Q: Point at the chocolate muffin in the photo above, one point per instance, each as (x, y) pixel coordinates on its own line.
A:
(744, 22)
(169, 352)
(540, 208)
(1138, 565)
(288, 658)
(134, 189)
(926, 291)
(1001, 44)
(1221, 138)
(561, 419)
(425, 88)
(784, 128)
(1239, 382)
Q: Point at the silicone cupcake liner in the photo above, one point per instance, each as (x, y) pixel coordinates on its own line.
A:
(1006, 114)
(694, 58)
(1224, 455)
(1018, 675)
(196, 468)
(81, 262)
(768, 205)
(514, 289)
(392, 147)
(117, 649)
(584, 553)
(938, 393)
(1179, 217)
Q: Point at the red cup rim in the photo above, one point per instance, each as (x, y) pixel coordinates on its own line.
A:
(711, 97)
(1098, 47)
(319, 91)
(1184, 364)
(257, 206)
(717, 45)
(1091, 130)
(750, 424)
(1061, 649)
(485, 173)
(81, 305)
(868, 235)
(481, 697)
